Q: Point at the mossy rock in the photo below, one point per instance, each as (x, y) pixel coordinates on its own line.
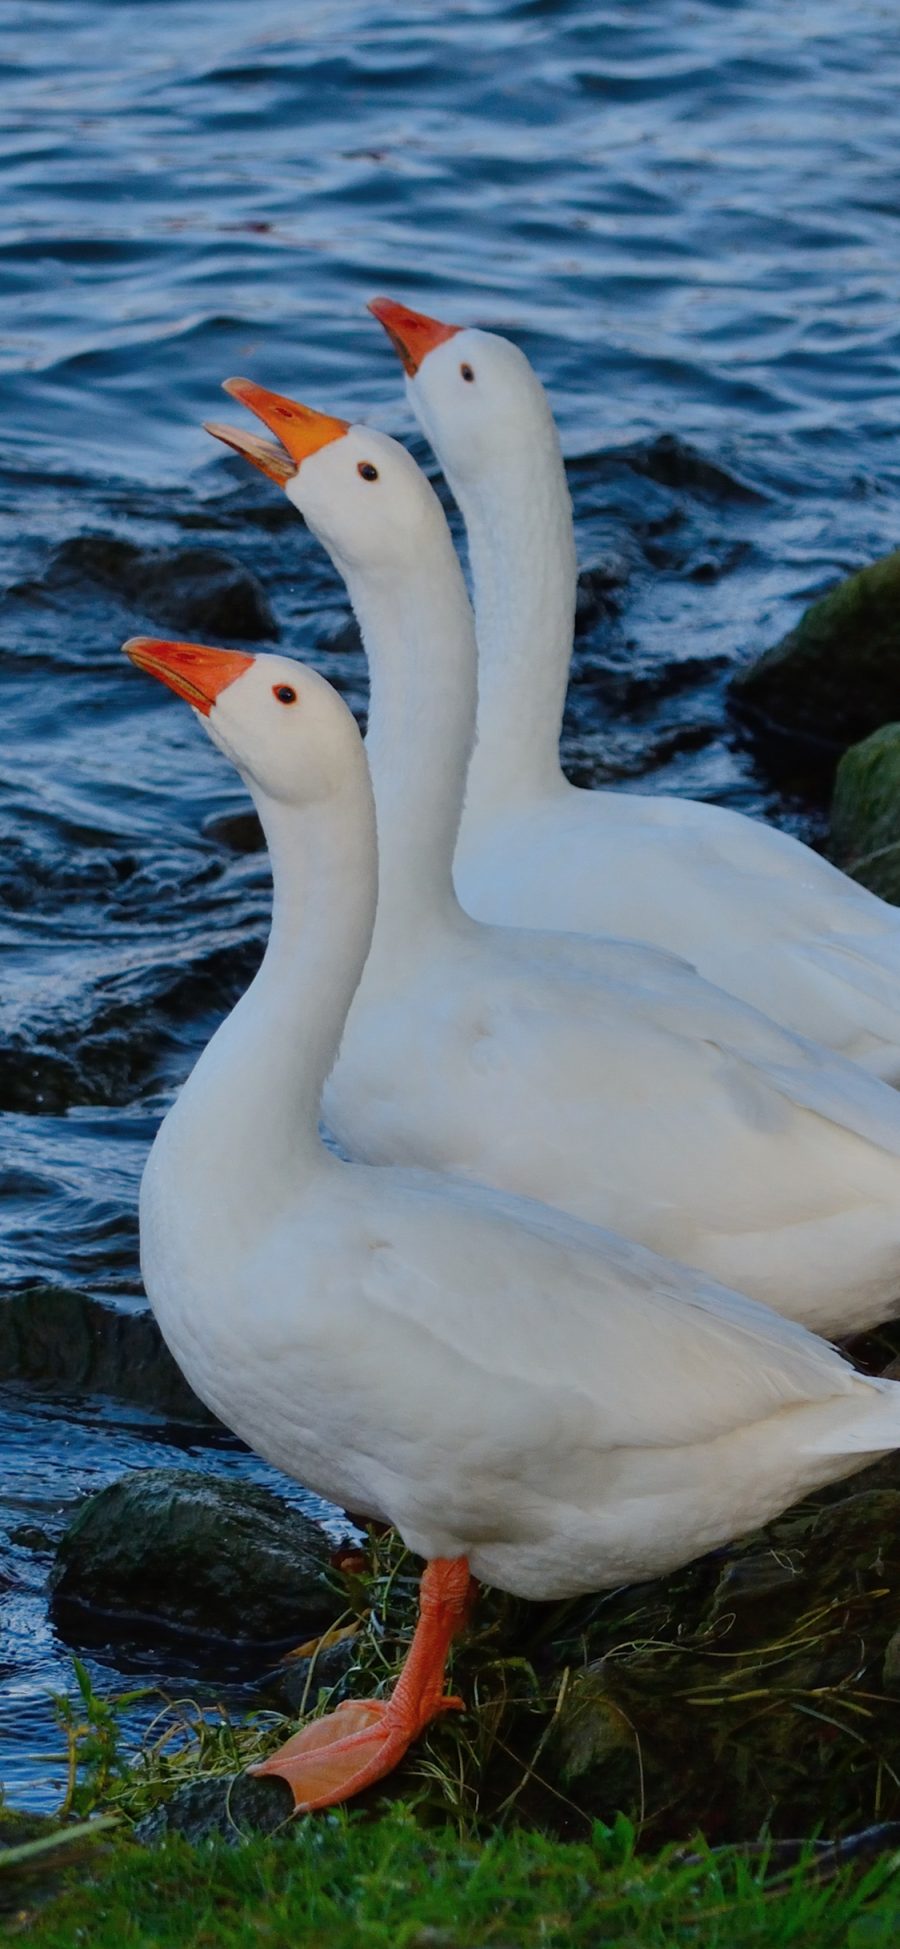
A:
(836, 677)
(865, 813)
(760, 1700)
(193, 1554)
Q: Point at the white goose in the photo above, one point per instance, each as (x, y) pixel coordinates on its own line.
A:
(755, 910)
(529, 1400)
(601, 1075)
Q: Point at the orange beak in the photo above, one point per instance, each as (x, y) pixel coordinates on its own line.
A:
(411, 333)
(300, 430)
(194, 672)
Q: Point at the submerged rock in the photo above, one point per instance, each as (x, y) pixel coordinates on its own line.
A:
(673, 462)
(193, 1554)
(63, 1341)
(191, 589)
(836, 676)
(238, 832)
(865, 813)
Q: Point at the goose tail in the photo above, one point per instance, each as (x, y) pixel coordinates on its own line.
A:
(868, 1425)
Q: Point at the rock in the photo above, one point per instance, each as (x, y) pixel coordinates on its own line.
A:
(591, 1729)
(197, 1555)
(238, 832)
(614, 557)
(190, 589)
(748, 1692)
(232, 1805)
(30, 1536)
(343, 638)
(113, 1040)
(836, 677)
(865, 813)
(64, 1341)
(298, 1682)
(675, 463)
(890, 1670)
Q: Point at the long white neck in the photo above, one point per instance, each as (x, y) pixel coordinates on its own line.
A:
(420, 641)
(522, 554)
(245, 1127)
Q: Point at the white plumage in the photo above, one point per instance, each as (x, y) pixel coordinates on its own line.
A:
(754, 909)
(559, 1406)
(601, 1075)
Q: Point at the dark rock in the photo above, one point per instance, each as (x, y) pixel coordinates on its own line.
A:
(890, 1670)
(37, 1080)
(836, 677)
(65, 1342)
(748, 1692)
(865, 813)
(342, 639)
(233, 1806)
(599, 585)
(298, 1682)
(29, 1536)
(191, 589)
(36, 1852)
(240, 832)
(197, 1555)
(115, 1039)
(675, 463)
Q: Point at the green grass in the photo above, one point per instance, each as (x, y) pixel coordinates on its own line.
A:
(350, 1883)
(745, 1695)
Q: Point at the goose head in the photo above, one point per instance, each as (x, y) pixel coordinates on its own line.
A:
(360, 492)
(283, 727)
(473, 392)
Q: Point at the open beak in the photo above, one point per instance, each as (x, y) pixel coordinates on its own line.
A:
(300, 431)
(194, 672)
(412, 334)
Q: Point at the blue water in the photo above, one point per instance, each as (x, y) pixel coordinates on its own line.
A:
(687, 214)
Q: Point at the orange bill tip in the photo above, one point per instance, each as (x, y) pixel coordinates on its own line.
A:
(412, 333)
(300, 430)
(264, 454)
(193, 670)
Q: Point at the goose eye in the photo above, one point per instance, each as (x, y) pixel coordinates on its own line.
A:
(285, 693)
(467, 372)
(366, 469)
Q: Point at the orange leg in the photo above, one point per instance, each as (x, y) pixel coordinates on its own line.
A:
(364, 1739)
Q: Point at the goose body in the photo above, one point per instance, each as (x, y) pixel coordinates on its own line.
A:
(603, 1076)
(524, 1396)
(754, 909)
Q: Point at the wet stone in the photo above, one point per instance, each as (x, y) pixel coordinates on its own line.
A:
(29, 1536)
(675, 463)
(64, 1341)
(233, 1806)
(342, 639)
(865, 813)
(835, 677)
(190, 589)
(178, 1551)
(238, 832)
(115, 1040)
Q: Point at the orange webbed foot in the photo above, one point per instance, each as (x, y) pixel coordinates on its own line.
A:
(364, 1739)
(347, 1751)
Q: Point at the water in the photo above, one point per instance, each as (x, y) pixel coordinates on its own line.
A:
(686, 213)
